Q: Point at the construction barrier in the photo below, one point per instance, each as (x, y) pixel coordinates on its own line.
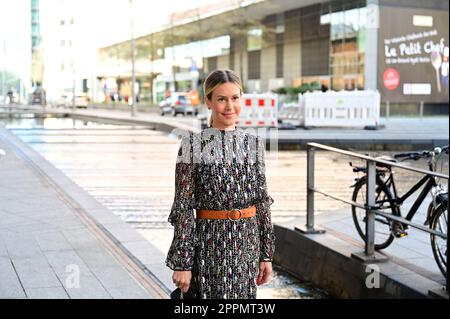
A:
(292, 113)
(342, 109)
(259, 110)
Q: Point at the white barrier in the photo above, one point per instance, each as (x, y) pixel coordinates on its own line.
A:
(292, 113)
(259, 110)
(343, 108)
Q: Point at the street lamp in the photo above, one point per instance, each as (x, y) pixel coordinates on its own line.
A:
(72, 50)
(133, 55)
(4, 72)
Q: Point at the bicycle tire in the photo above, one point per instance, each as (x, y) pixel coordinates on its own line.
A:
(439, 255)
(379, 220)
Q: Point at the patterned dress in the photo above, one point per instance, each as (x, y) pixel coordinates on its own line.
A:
(221, 170)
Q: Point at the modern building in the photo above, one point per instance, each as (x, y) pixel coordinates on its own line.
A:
(68, 55)
(36, 49)
(397, 47)
(15, 48)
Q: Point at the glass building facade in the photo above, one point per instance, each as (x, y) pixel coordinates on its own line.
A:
(337, 45)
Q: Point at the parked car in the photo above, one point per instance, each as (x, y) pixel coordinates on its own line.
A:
(61, 100)
(81, 101)
(177, 103)
(165, 106)
(37, 97)
(66, 100)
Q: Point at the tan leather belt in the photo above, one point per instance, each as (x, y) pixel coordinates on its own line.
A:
(233, 214)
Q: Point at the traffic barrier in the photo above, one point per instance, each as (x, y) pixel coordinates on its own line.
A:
(258, 110)
(292, 113)
(342, 109)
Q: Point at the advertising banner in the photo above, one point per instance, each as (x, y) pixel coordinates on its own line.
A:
(413, 55)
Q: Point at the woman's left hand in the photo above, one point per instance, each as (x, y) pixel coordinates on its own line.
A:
(265, 269)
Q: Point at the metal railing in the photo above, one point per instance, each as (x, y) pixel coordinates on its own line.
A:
(369, 250)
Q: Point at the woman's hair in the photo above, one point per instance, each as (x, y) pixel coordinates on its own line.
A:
(216, 78)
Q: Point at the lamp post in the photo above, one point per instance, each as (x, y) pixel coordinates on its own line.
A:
(133, 56)
(4, 72)
(72, 48)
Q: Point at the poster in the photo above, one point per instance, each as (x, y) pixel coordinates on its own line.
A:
(413, 55)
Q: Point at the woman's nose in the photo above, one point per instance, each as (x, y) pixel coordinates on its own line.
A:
(229, 104)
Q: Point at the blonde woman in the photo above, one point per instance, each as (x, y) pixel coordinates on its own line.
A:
(224, 249)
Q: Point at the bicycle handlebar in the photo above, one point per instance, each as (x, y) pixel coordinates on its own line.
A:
(422, 154)
(413, 155)
(399, 155)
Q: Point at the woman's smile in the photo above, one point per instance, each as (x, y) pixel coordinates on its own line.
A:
(228, 115)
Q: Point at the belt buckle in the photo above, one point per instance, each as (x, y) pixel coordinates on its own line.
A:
(234, 210)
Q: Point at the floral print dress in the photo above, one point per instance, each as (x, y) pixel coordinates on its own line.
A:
(221, 170)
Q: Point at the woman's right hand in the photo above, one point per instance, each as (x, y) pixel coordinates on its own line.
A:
(182, 279)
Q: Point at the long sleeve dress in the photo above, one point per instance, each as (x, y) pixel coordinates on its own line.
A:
(221, 170)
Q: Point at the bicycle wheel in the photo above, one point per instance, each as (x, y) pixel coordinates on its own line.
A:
(384, 202)
(439, 244)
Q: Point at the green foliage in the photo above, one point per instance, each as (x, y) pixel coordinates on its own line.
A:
(305, 87)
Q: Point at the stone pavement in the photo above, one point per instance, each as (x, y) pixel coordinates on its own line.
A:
(50, 248)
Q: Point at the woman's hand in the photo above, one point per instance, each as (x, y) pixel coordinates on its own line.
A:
(182, 279)
(265, 269)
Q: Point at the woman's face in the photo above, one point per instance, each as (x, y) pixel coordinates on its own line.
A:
(225, 105)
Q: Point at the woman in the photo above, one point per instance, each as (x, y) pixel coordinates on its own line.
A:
(226, 250)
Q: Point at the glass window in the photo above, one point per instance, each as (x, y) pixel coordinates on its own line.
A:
(348, 20)
(351, 23)
(254, 39)
(198, 50)
(280, 23)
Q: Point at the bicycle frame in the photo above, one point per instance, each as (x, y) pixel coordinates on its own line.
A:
(429, 182)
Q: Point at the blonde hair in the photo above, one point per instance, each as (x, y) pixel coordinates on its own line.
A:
(216, 78)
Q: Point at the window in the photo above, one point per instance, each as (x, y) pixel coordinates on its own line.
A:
(254, 38)
(280, 23)
(254, 65)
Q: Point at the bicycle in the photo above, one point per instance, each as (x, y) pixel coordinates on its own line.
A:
(387, 200)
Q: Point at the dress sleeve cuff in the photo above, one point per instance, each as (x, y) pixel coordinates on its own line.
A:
(178, 268)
